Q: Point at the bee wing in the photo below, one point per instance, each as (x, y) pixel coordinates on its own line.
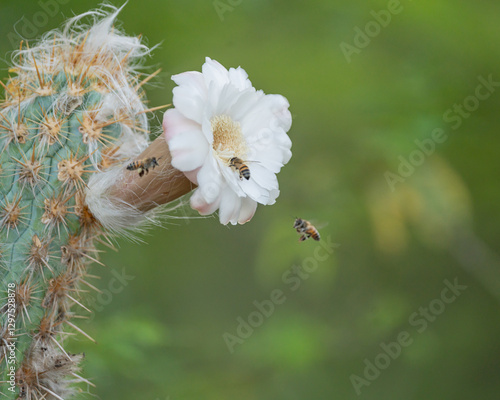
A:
(317, 225)
(321, 225)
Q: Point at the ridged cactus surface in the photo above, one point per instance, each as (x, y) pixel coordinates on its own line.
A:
(73, 107)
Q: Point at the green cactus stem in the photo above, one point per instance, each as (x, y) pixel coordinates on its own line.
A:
(74, 109)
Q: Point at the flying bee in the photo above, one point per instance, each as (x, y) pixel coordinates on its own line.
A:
(143, 166)
(306, 229)
(237, 164)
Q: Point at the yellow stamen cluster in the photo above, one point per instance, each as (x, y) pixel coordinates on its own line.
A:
(228, 138)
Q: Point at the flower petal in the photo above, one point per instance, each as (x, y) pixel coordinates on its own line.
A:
(239, 78)
(279, 107)
(229, 207)
(188, 150)
(270, 112)
(174, 123)
(244, 104)
(192, 175)
(247, 211)
(231, 177)
(198, 203)
(190, 96)
(273, 195)
(263, 177)
(210, 181)
(214, 72)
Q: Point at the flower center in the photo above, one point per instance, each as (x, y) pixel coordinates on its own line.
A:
(228, 139)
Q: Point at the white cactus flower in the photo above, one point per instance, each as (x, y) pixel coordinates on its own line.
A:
(219, 125)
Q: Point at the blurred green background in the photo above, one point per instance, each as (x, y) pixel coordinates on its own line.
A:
(160, 331)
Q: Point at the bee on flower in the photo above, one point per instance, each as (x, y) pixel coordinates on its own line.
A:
(219, 121)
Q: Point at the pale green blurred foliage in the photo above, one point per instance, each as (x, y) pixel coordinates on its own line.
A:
(435, 203)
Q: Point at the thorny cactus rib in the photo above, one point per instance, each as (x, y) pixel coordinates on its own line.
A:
(74, 109)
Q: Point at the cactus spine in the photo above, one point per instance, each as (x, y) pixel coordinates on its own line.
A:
(74, 107)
